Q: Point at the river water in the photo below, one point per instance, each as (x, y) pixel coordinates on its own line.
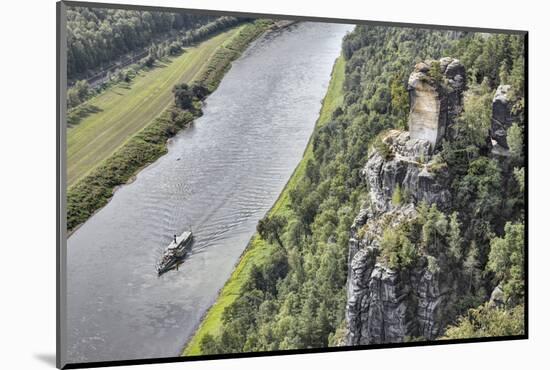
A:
(220, 176)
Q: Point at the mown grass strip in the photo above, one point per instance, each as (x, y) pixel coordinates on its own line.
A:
(257, 250)
(94, 190)
(121, 111)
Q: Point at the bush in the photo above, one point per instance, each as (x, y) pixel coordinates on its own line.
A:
(397, 249)
(435, 71)
(515, 141)
(383, 148)
(506, 260)
(397, 196)
(175, 48)
(487, 321)
(78, 93)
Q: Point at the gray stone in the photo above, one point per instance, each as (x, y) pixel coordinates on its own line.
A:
(435, 105)
(386, 305)
(389, 306)
(408, 168)
(497, 297)
(502, 117)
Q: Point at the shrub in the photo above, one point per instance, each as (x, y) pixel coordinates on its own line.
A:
(398, 251)
(487, 321)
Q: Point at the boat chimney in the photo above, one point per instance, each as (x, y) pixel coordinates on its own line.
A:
(175, 238)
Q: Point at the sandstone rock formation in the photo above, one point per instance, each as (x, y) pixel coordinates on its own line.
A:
(435, 91)
(411, 167)
(387, 305)
(502, 117)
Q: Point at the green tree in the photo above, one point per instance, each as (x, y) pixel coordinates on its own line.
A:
(471, 266)
(506, 260)
(504, 73)
(515, 141)
(397, 196)
(434, 228)
(72, 98)
(486, 321)
(199, 91)
(519, 175)
(480, 190)
(271, 227)
(83, 89)
(183, 96)
(517, 76)
(209, 345)
(397, 249)
(475, 121)
(78, 93)
(435, 71)
(399, 100)
(454, 238)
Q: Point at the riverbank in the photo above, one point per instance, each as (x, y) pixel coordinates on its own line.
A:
(107, 120)
(94, 190)
(257, 249)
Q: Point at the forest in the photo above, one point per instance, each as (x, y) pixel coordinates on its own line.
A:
(296, 298)
(96, 37)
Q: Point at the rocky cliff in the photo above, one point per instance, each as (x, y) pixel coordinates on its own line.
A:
(435, 92)
(503, 117)
(387, 305)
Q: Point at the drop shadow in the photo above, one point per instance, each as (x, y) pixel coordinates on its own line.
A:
(46, 358)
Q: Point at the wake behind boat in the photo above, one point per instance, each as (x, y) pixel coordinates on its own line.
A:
(176, 251)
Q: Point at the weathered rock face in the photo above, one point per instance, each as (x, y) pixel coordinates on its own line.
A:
(497, 297)
(377, 309)
(385, 305)
(411, 167)
(435, 101)
(388, 305)
(502, 117)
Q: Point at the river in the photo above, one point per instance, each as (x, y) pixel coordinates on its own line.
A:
(219, 177)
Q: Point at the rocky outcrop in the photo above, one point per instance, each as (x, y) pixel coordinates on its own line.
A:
(497, 297)
(388, 305)
(435, 91)
(409, 166)
(502, 117)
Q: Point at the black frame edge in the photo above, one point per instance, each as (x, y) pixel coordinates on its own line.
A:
(289, 17)
(289, 352)
(526, 169)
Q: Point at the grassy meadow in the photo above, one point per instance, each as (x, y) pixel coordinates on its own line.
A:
(125, 109)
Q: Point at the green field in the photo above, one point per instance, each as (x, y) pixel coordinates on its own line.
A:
(257, 249)
(125, 109)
